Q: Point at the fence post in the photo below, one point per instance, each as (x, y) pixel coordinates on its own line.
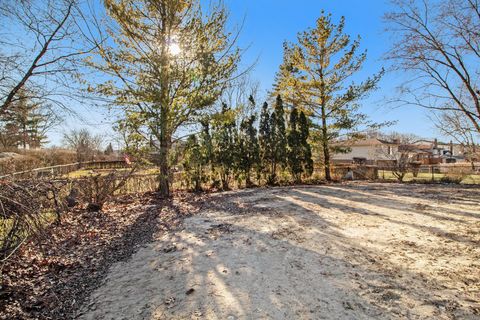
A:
(433, 173)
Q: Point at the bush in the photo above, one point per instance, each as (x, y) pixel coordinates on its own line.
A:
(96, 189)
(25, 208)
(451, 179)
(24, 160)
(18, 163)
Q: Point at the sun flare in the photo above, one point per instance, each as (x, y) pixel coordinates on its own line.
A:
(174, 49)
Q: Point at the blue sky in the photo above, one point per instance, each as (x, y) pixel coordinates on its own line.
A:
(268, 23)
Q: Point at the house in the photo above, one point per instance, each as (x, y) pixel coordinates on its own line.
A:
(434, 152)
(372, 151)
(375, 151)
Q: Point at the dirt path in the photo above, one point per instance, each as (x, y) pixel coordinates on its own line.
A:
(356, 251)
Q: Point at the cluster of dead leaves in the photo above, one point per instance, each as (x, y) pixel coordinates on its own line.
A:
(50, 277)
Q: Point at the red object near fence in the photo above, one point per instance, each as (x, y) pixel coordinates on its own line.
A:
(127, 159)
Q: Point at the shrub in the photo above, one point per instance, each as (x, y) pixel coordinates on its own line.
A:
(25, 208)
(451, 179)
(96, 189)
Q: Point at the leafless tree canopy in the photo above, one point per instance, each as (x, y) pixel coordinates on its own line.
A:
(40, 48)
(84, 143)
(439, 42)
(398, 155)
(458, 127)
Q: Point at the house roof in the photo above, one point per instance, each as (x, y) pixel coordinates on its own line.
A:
(364, 142)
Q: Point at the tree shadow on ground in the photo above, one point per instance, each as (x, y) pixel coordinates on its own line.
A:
(359, 198)
(81, 250)
(281, 261)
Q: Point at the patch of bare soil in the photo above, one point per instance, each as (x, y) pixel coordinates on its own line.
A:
(51, 276)
(352, 251)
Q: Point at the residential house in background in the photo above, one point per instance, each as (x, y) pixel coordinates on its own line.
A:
(372, 151)
(375, 151)
(434, 152)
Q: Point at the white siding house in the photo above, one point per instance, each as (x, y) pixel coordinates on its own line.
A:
(368, 150)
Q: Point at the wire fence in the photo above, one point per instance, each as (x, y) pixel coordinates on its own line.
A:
(448, 173)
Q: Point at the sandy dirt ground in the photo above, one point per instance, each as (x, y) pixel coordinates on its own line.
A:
(342, 251)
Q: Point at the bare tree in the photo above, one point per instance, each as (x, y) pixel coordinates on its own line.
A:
(40, 47)
(400, 154)
(439, 43)
(458, 127)
(84, 143)
(239, 91)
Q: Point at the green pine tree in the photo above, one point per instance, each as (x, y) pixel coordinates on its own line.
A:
(316, 74)
(225, 145)
(265, 139)
(280, 137)
(294, 150)
(206, 146)
(248, 148)
(26, 123)
(306, 150)
(272, 150)
(193, 163)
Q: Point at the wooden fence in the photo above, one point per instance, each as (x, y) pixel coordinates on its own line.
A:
(59, 170)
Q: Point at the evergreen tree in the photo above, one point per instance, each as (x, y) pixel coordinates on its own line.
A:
(294, 150)
(109, 150)
(192, 163)
(314, 74)
(224, 144)
(265, 139)
(248, 148)
(280, 137)
(167, 62)
(37, 124)
(26, 123)
(306, 150)
(272, 150)
(206, 147)
(276, 153)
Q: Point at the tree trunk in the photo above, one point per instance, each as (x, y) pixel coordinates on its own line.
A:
(273, 174)
(472, 160)
(248, 181)
(224, 177)
(164, 185)
(326, 151)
